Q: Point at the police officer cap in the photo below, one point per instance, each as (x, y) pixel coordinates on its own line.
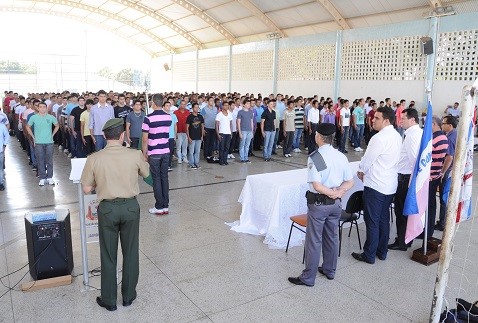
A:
(326, 129)
(113, 123)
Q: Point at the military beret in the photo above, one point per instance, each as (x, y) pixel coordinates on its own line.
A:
(113, 123)
(326, 129)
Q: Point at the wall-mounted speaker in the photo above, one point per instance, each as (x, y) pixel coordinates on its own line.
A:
(166, 67)
(426, 45)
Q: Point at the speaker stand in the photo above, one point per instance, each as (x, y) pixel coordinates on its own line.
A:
(46, 283)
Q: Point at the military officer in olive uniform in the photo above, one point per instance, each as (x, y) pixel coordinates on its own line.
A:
(113, 173)
(329, 177)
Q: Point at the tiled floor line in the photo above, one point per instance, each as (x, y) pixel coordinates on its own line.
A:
(172, 282)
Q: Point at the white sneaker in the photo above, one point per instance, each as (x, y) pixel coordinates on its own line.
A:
(232, 156)
(180, 161)
(357, 149)
(360, 148)
(165, 210)
(41, 183)
(65, 151)
(60, 147)
(70, 155)
(185, 160)
(50, 181)
(297, 150)
(279, 147)
(156, 211)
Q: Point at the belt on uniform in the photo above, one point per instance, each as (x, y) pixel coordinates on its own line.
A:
(319, 199)
(403, 177)
(119, 199)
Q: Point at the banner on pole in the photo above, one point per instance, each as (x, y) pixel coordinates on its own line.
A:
(91, 217)
(416, 202)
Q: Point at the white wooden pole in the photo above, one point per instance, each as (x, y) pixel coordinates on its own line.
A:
(453, 200)
(84, 249)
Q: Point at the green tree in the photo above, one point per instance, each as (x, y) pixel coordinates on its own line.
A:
(9, 67)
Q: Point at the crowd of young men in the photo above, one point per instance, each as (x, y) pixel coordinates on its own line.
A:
(224, 124)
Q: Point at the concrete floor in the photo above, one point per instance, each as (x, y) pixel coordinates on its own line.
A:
(193, 268)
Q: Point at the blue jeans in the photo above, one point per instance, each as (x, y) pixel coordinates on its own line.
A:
(297, 135)
(276, 138)
(268, 143)
(345, 135)
(100, 142)
(80, 147)
(2, 163)
(244, 144)
(73, 145)
(32, 155)
(376, 207)
(44, 156)
(158, 166)
(182, 146)
(194, 150)
(171, 143)
(358, 135)
(289, 137)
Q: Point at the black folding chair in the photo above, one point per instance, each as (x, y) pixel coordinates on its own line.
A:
(350, 215)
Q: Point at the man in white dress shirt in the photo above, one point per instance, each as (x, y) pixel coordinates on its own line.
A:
(313, 117)
(406, 164)
(378, 170)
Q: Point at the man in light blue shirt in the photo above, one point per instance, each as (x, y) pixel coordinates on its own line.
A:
(4, 141)
(329, 177)
(257, 140)
(209, 113)
(280, 108)
(99, 114)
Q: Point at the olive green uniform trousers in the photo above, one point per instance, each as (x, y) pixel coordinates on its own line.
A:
(118, 218)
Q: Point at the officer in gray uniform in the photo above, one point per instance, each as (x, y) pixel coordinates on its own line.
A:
(329, 177)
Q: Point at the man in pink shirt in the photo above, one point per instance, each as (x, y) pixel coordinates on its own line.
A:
(398, 116)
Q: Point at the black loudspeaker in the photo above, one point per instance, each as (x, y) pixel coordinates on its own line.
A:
(426, 45)
(50, 252)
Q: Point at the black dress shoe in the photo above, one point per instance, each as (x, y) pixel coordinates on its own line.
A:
(297, 281)
(321, 270)
(110, 308)
(128, 303)
(360, 257)
(395, 246)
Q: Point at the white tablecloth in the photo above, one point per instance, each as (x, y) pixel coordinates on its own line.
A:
(269, 200)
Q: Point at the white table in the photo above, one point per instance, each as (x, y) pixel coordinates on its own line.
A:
(269, 200)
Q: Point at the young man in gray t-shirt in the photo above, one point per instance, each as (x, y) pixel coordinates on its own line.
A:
(134, 122)
(245, 125)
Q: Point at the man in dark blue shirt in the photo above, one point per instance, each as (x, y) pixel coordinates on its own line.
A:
(268, 129)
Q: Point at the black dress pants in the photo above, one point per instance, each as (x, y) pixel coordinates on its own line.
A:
(400, 195)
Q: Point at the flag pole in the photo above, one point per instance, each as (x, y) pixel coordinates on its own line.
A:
(425, 230)
(453, 201)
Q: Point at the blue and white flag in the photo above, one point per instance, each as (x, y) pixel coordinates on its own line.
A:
(416, 202)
